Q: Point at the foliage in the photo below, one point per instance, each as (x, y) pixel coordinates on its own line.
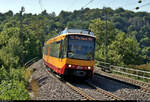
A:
(36, 29)
(13, 90)
(126, 48)
(128, 36)
(12, 86)
(98, 27)
(3, 74)
(122, 50)
(144, 67)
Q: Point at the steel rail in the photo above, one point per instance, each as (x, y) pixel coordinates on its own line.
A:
(82, 93)
(71, 86)
(105, 92)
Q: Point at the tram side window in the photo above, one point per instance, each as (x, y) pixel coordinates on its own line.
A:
(49, 48)
(60, 49)
(43, 51)
(46, 52)
(54, 51)
(64, 48)
(57, 49)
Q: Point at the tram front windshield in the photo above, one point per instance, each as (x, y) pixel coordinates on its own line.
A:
(81, 47)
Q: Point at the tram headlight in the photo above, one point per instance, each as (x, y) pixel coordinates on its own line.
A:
(69, 65)
(89, 68)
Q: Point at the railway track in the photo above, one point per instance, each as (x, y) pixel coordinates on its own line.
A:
(58, 78)
(144, 86)
(91, 91)
(83, 92)
(47, 90)
(105, 92)
(120, 88)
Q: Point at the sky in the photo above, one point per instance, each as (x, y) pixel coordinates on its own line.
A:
(37, 6)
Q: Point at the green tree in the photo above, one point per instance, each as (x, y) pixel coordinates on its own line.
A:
(99, 28)
(121, 48)
(124, 50)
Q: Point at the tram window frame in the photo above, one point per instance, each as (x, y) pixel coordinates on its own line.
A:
(49, 49)
(54, 51)
(93, 54)
(58, 45)
(67, 45)
(64, 48)
(61, 49)
(46, 51)
(43, 51)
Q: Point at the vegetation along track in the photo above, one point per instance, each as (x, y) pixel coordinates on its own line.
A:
(121, 89)
(143, 85)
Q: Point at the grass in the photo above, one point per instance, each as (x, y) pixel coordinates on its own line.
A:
(32, 82)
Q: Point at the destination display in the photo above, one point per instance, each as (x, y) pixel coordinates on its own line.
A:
(76, 37)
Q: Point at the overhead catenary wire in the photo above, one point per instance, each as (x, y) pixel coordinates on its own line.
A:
(145, 4)
(142, 6)
(40, 3)
(87, 4)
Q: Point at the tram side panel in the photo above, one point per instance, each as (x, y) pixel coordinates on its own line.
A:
(55, 58)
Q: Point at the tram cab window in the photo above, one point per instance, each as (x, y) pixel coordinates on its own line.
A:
(80, 47)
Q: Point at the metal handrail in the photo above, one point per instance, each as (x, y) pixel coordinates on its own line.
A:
(132, 74)
(130, 69)
(114, 68)
(27, 64)
(102, 62)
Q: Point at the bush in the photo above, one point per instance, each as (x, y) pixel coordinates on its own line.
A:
(13, 90)
(145, 67)
(3, 74)
(12, 85)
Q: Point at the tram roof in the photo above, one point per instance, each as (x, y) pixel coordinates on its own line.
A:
(77, 31)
